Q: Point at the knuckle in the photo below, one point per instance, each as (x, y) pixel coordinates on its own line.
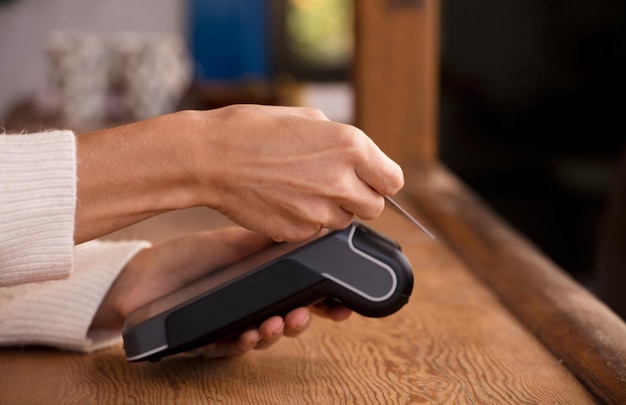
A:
(351, 140)
(373, 208)
(340, 222)
(351, 136)
(313, 112)
(339, 218)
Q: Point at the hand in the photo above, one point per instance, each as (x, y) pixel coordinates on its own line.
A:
(284, 172)
(164, 268)
(288, 172)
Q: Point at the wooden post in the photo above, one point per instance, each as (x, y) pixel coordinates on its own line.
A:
(395, 77)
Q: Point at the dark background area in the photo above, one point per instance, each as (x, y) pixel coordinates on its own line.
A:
(532, 114)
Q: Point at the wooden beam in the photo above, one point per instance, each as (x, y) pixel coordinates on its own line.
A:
(395, 76)
(583, 333)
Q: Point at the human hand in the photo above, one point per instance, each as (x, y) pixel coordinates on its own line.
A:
(164, 268)
(287, 172)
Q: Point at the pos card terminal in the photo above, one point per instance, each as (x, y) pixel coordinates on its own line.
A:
(356, 267)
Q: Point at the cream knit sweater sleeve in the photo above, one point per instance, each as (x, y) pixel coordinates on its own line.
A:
(58, 313)
(37, 203)
(50, 289)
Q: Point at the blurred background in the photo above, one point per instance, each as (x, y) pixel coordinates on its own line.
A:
(531, 113)
(259, 51)
(530, 92)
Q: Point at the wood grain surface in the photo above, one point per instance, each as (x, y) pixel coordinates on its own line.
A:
(454, 343)
(580, 330)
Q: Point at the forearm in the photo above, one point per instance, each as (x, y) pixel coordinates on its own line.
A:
(130, 173)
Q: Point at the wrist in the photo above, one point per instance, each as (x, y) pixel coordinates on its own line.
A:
(206, 154)
(127, 174)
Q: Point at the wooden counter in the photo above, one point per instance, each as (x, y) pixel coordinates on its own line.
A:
(490, 320)
(459, 340)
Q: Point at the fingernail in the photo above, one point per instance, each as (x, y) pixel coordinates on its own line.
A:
(278, 331)
(256, 339)
(305, 322)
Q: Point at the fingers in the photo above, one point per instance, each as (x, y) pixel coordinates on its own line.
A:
(294, 323)
(378, 171)
(367, 175)
(297, 321)
(340, 219)
(230, 347)
(364, 202)
(270, 332)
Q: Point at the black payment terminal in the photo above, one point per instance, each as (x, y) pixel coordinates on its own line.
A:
(356, 267)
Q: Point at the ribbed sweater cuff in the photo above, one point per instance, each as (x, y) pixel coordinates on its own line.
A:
(37, 206)
(58, 313)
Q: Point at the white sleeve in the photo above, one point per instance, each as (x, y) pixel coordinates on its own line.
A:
(58, 313)
(37, 206)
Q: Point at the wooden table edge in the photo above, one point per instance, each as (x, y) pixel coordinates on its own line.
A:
(573, 324)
